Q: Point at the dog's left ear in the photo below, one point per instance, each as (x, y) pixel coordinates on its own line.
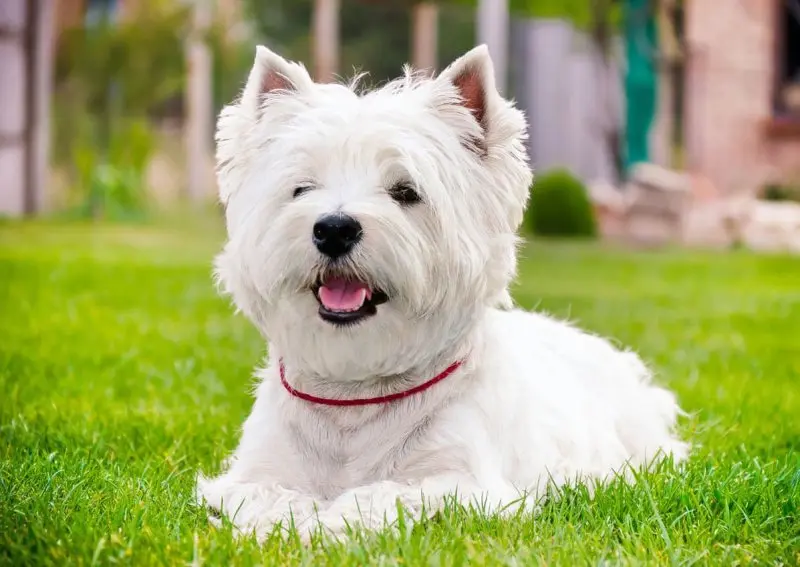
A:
(472, 75)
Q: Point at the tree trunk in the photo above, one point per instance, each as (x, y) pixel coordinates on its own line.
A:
(424, 35)
(41, 69)
(326, 39)
(199, 106)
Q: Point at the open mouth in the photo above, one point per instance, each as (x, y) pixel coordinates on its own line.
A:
(345, 301)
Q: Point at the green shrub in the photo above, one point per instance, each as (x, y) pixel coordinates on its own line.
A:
(560, 206)
(778, 192)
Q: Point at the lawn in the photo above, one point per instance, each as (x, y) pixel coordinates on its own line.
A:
(122, 373)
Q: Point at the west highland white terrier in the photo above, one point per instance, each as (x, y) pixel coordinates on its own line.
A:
(372, 241)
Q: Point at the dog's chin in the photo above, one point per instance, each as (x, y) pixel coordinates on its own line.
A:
(345, 301)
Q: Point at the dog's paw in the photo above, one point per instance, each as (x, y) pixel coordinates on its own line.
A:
(373, 508)
(253, 508)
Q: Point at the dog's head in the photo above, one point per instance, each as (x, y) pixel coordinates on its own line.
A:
(369, 230)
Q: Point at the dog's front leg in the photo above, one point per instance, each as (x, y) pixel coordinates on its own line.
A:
(255, 507)
(375, 506)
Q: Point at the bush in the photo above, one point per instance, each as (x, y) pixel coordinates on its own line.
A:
(778, 192)
(560, 206)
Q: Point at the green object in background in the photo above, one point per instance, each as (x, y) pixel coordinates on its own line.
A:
(560, 206)
(641, 47)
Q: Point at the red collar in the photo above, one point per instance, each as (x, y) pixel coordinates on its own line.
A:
(368, 401)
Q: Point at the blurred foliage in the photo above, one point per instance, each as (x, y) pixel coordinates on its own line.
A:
(114, 80)
(113, 185)
(560, 206)
(580, 12)
(133, 66)
(375, 35)
(232, 60)
(110, 79)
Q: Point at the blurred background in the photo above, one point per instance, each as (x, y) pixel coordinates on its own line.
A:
(650, 120)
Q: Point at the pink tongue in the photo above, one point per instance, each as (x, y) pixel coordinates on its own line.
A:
(341, 295)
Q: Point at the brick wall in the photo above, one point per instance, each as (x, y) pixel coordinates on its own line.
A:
(729, 94)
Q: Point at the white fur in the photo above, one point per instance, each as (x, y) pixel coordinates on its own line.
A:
(536, 400)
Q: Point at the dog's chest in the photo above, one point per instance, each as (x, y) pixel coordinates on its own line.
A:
(337, 457)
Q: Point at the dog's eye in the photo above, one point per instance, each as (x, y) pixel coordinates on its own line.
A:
(404, 193)
(301, 190)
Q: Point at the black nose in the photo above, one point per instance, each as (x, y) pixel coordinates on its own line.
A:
(336, 234)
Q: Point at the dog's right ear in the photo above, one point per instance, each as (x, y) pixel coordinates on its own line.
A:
(271, 78)
(272, 75)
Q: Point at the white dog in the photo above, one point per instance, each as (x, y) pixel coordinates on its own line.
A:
(372, 242)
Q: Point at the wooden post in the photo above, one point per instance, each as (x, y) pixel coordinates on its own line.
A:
(199, 105)
(424, 35)
(493, 31)
(41, 68)
(326, 39)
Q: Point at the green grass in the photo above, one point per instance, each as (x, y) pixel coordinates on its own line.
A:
(122, 374)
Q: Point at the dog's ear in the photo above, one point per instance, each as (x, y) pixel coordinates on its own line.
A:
(271, 75)
(271, 78)
(472, 75)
